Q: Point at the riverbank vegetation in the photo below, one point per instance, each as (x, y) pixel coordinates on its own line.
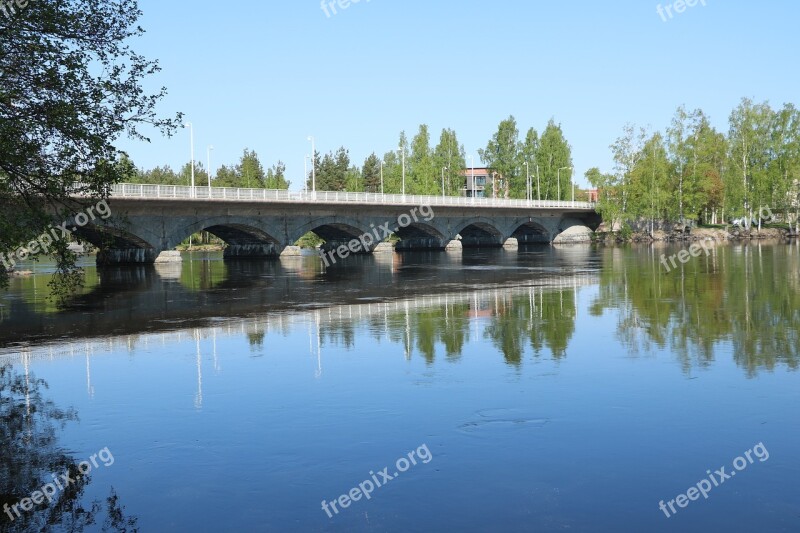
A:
(692, 174)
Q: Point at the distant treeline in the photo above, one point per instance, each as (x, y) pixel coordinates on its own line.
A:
(691, 171)
(248, 173)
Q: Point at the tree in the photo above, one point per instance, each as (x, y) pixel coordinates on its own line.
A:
(502, 153)
(200, 175)
(276, 177)
(749, 139)
(609, 194)
(554, 153)
(372, 173)
(627, 149)
(449, 155)
(70, 86)
(527, 154)
(251, 171)
(226, 177)
(421, 171)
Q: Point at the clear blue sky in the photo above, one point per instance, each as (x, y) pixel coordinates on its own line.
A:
(267, 74)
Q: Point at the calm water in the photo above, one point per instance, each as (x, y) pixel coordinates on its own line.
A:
(548, 389)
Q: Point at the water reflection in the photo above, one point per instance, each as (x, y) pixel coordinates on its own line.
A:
(742, 298)
(32, 457)
(745, 296)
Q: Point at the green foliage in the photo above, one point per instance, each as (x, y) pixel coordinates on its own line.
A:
(694, 172)
(449, 155)
(555, 153)
(71, 84)
(502, 154)
(309, 240)
(372, 174)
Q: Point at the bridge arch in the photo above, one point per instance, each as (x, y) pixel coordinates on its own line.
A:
(336, 231)
(117, 245)
(244, 236)
(480, 232)
(530, 230)
(420, 235)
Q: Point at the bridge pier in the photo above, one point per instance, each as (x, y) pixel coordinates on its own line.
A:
(251, 251)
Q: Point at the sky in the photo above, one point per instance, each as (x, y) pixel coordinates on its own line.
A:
(266, 75)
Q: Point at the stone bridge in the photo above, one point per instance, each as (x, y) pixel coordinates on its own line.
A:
(147, 220)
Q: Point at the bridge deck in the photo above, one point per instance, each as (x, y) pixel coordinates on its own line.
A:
(177, 192)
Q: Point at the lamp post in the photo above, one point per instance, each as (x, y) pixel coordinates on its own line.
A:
(305, 173)
(559, 180)
(208, 154)
(443, 169)
(191, 140)
(403, 151)
(528, 192)
(538, 185)
(472, 177)
(313, 167)
(382, 164)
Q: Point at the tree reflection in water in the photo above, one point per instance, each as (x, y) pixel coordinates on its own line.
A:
(29, 427)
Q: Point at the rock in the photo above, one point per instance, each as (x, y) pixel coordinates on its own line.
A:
(292, 251)
(384, 248)
(169, 256)
(454, 246)
(574, 235)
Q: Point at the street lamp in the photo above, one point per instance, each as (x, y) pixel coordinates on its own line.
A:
(403, 150)
(382, 164)
(313, 166)
(305, 173)
(472, 178)
(528, 192)
(559, 180)
(443, 169)
(208, 153)
(538, 185)
(191, 138)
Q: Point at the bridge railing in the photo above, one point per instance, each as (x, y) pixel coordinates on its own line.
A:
(179, 192)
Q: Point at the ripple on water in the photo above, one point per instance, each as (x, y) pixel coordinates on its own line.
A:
(502, 417)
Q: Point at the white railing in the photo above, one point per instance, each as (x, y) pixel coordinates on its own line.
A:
(178, 192)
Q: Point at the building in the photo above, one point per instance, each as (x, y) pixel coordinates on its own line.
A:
(486, 184)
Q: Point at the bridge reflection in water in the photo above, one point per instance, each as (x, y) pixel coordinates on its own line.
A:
(399, 320)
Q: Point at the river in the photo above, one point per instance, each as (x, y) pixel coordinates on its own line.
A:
(549, 388)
